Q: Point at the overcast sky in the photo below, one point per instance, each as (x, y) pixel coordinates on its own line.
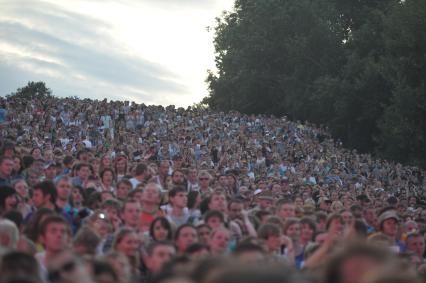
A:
(150, 51)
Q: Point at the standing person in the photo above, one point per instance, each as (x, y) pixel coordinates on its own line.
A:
(83, 171)
(204, 179)
(388, 222)
(120, 167)
(107, 179)
(126, 241)
(192, 181)
(45, 195)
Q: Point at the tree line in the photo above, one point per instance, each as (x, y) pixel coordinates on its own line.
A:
(358, 67)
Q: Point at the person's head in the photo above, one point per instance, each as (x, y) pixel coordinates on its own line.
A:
(107, 176)
(100, 223)
(164, 168)
(9, 234)
(271, 234)
(249, 253)
(388, 222)
(151, 194)
(18, 265)
(120, 165)
(353, 263)
(219, 241)
(160, 229)
(204, 179)
(307, 230)
(67, 267)
(292, 228)
(63, 188)
(123, 188)
(8, 199)
(55, 233)
(192, 174)
(44, 194)
(178, 177)
(203, 232)
(185, 236)
(21, 188)
(178, 197)
(126, 241)
(235, 209)
(416, 243)
(214, 219)
(141, 169)
(130, 213)
(218, 201)
(6, 166)
(85, 241)
(334, 223)
(49, 170)
(83, 171)
(157, 254)
(286, 209)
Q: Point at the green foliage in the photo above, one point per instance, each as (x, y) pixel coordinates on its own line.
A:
(33, 90)
(352, 65)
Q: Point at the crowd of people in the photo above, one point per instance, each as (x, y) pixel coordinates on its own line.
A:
(98, 191)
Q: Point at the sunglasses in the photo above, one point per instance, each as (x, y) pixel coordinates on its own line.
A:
(203, 179)
(55, 275)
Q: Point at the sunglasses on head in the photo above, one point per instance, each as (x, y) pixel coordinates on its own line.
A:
(55, 275)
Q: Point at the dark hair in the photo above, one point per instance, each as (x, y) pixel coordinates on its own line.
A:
(151, 247)
(181, 227)
(175, 190)
(18, 266)
(192, 199)
(140, 169)
(214, 213)
(54, 218)
(47, 188)
(165, 223)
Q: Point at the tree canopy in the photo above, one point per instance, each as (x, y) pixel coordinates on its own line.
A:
(358, 67)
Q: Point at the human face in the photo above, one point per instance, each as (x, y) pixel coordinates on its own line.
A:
(273, 242)
(293, 231)
(123, 191)
(219, 242)
(101, 226)
(178, 178)
(218, 202)
(203, 234)
(64, 189)
(11, 202)
(180, 200)
(151, 194)
(22, 189)
(56, 237)
(204, 181)
(390, 227)
(160, 232)
(106, 161)
(128, 245)
(347, 217)
(235, 210)
(287, 210)
(131, 213)
(84, 173)
(306, 232)
(38, 198)
(187, 236)
(6, 167)
(121, 165)
(76, 196)
(416, 245)
(214, 222)
(192, 175)
(164, 168)
(160, 255)
(107, 178)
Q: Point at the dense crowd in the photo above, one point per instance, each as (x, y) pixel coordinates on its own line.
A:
(98, 191)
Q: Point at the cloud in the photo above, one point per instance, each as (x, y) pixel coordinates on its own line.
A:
(75, 52)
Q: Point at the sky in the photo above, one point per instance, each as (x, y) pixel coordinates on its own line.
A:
(147, 51)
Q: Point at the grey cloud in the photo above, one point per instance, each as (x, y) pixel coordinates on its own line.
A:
(100, 60)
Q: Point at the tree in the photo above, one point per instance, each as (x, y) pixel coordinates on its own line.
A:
(33, 90)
